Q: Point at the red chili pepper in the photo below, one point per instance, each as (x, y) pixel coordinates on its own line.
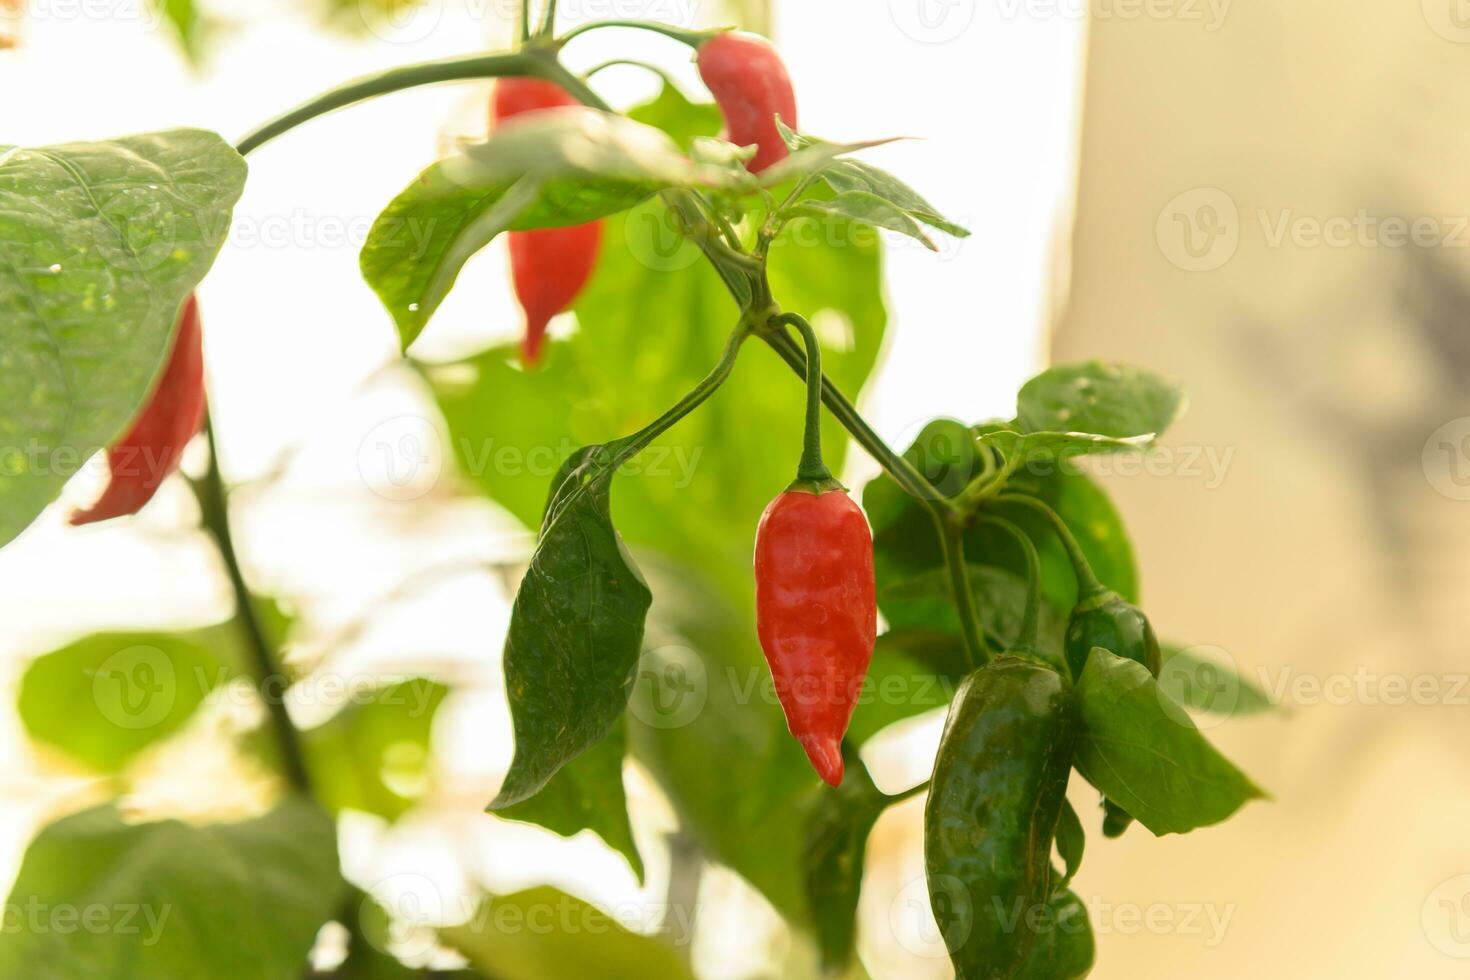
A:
(748, 80)
(143, 459)
(548, 266)
(816, 614)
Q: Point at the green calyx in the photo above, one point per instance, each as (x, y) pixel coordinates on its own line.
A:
(815, 487)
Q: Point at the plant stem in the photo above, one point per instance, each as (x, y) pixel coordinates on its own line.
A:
(907, 794)
(1030, 619)
(635, 63)
(1087, 581)
(900, 469)
(214, 510)
(548, 20)
(811, 466)
(396, 80)
(951, 537)
(692, 38)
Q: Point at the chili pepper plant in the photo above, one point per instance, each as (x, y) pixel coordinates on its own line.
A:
(1000, 573)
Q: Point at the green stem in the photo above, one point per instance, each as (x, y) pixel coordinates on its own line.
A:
(1087, 582)
(215, 517)
(1030, 632)
(907, 794)
(635, 63)
(951, 537)
(525, 21)
(900, 469)
(629, 446)
(692, 38)
(548, 20)
(398, 79)
(811, 467)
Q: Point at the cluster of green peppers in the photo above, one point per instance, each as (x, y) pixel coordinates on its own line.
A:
(1000, 785)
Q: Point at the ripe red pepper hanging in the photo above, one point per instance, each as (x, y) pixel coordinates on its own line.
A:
(150, 451)
(749, 82)
(815, 597)
(548, 266)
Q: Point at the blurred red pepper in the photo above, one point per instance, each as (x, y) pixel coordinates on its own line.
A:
(144, 458)
(548, 266)
(816, 614)
(749, 81)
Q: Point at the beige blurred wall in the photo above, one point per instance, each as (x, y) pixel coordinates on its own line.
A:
(1273, 208)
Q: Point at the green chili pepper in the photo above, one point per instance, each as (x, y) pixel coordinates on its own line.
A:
(1105, 619)
(997, 792)
(1064, 948)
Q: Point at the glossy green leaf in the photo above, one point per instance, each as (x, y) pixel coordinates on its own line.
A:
(837, 845)
(576, 629)
(546, 934)
(112, 899)
(868, 210)
(913, 672)
(1058, 447)
(1143, 752)
(99, 245)
(555, 169)
(108, 696)
(1116, 400)
(1071, 841)
(678, 118)
(849, 176)
(587, 794)
(374, 754)
(1210, 684)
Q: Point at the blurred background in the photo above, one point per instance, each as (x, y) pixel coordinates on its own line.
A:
(1260, 200)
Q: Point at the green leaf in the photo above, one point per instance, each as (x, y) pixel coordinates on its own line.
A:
(853, 176)
(108, 696)
(1115, 400)
(576, 629)
(1144, 753)
(374, 755)
(1029, 447)
(100, 243)
(587, 794)
(869, 210)
(555, 169)
(1065, 948)
(110, 898)
(677, 117)
(1071, 841)
(1210, 683)
(183, 17)
(546, 934)
(837, 844)
(913, 671)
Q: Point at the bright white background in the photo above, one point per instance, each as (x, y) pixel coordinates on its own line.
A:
(297, 345)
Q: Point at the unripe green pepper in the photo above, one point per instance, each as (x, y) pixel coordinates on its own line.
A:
(997, 792)
(1102, 618)
(1064, 949)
